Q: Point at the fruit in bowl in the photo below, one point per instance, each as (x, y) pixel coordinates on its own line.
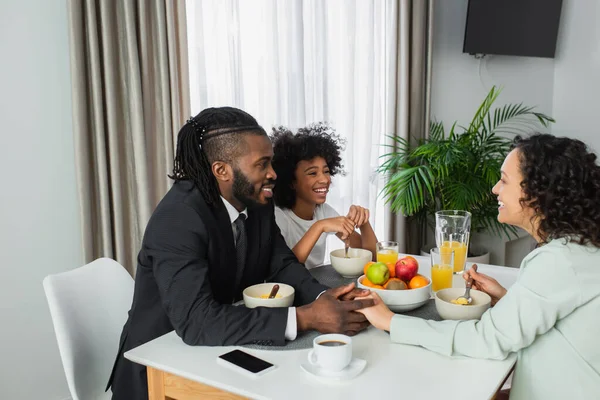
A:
(399, 299)
(380, 276)
(378, 273)
(395, 284)
(399, 295)
(406, 268)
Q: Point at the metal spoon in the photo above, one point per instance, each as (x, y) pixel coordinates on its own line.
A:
(467, 295)
(346, 247)
(274, 291)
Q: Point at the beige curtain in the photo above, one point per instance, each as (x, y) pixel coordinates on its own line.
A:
(412, 98)
(130, 97)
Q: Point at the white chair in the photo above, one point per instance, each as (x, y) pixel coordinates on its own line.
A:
(89, 307)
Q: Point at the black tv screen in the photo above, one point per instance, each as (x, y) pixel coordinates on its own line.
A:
(512, 27)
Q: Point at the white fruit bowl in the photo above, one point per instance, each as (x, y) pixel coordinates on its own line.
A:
(401, 300)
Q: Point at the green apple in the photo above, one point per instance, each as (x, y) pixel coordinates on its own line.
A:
(378, 273)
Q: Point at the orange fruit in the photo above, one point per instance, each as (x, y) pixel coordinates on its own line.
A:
(418, 281)
(370, 284)
(392, 267)
(367, 265)
(365, 281)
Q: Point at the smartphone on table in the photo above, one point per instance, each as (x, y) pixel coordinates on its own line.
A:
(245, 363)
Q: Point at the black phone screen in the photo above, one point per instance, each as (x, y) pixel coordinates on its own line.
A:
(246, 361)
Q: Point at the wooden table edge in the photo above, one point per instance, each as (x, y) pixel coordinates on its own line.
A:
(166, 386)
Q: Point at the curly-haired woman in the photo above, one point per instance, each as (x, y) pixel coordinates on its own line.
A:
(304, 163)
(550, 187)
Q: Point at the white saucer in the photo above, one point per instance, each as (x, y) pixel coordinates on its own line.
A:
(352, 370)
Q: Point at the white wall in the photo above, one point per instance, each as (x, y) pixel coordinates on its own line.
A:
(460, 82)
(577, 72)
(457, 86)
(39, 217)
(565, 87)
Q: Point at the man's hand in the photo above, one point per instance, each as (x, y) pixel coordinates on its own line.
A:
(353, 292)
(330, 314)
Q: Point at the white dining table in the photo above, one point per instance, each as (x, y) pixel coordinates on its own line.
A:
(393, 371)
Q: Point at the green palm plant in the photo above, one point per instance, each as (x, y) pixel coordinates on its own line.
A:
(456, 170)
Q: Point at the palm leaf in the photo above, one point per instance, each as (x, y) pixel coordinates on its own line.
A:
(405, 189)
(484, 109)
(436, 131)
(515, 119)
(457, 169)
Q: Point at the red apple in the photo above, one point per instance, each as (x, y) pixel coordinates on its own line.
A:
(406, 268)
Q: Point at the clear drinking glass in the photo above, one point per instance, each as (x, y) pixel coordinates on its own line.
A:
(387, 252)
(452, 230)
(442, 267)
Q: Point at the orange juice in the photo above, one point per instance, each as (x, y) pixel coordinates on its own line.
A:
(460, 254)
(441, 277)
(387, 256)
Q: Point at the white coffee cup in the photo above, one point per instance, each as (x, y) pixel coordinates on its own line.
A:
(331, 352)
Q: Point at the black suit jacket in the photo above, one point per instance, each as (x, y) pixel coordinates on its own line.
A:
(185, 281)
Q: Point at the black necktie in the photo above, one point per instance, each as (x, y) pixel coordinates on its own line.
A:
(240, 247)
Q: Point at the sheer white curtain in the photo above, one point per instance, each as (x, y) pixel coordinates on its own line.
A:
(295, 62)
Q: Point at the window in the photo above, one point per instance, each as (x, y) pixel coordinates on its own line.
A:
(296, 62)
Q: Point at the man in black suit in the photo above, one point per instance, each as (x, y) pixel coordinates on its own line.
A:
(212, 235)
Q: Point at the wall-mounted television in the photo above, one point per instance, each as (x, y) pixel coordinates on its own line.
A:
(512, 27)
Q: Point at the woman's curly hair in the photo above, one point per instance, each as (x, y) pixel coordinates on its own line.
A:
(561, 182)
(315, 140)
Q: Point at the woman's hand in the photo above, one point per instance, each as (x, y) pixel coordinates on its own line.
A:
(359, 215)
(343, 226)
(378, 315)
(485, 283)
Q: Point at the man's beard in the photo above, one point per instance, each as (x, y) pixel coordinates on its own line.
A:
(243, 190)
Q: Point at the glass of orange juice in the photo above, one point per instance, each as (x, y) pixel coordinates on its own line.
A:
(387, 252)
(452, 231)
(442, 268)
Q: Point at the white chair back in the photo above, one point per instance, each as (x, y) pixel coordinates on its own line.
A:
(89, 307)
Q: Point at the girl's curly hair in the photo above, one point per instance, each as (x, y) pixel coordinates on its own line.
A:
(561, 182)
(315, 140)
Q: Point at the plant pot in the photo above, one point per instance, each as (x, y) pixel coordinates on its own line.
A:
(482, 257)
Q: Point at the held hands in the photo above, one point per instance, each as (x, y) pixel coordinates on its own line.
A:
(335, 311)
(380, 316)
(486, 284)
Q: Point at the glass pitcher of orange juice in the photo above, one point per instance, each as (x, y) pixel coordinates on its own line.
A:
(442, 267)
(387, 252)
(452, 230)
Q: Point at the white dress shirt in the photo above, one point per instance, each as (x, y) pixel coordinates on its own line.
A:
(291, 329)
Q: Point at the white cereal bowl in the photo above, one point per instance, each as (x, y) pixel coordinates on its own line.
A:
(352, 266)
(401, 300)
(447, 310)
(252, 295)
